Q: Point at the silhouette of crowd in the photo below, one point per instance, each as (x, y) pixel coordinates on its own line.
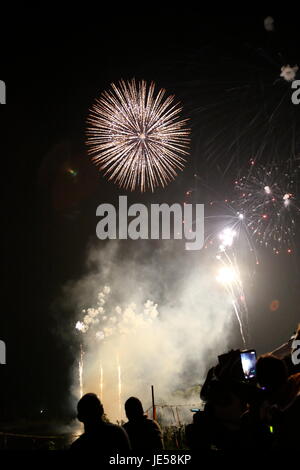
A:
(257, 413)
(139, 434)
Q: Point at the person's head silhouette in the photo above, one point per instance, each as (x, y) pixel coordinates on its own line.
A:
(271, 372)
(90, 408)
(134, 408)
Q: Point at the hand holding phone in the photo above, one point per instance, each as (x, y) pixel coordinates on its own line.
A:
(248, 360)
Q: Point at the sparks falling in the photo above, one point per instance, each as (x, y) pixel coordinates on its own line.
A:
(229, 276)
(101, 382)
(136, 137)
(119, 387)
(80, 371)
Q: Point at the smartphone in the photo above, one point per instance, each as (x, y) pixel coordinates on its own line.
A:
(248, 360)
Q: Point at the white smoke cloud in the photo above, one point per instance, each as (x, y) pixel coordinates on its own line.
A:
(160, 319)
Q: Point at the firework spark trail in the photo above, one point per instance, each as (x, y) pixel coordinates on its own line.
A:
(101, 382)
(234, 243)
(229, 276)
(137, 138)
(267, 196)
(119, 387)
(234, 220)
(240, 323)
(80, 371)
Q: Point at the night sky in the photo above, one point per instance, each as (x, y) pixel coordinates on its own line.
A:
(53, 71)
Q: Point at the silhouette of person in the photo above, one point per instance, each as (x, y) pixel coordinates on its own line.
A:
(273, 414)
(218, 425)
(105, 438)
(272, 374)
(144, 433)
(288, 437)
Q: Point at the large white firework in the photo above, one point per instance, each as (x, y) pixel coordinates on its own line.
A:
(136, 137)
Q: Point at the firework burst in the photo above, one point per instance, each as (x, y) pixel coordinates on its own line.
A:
(267, 197)
(136, 137)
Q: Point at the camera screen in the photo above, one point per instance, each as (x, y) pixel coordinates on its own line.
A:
(248, 359)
